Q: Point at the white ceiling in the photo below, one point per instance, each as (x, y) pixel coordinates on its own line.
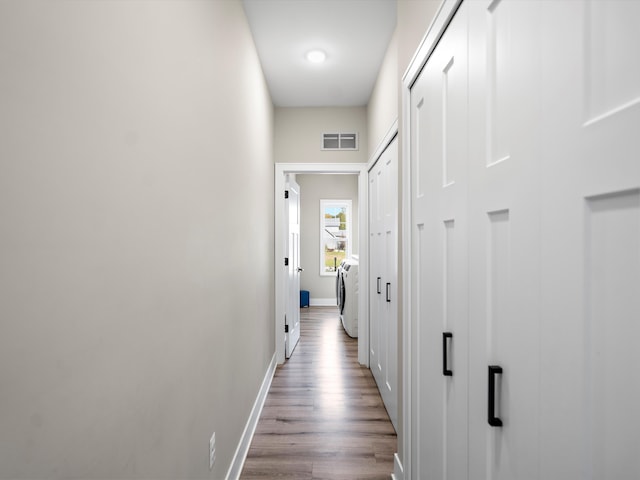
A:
(353, 33)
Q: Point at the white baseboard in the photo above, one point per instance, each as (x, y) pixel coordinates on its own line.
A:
(323, 302)
(235, 469)
(398, 471)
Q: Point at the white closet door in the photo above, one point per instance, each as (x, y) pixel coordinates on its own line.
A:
(389, 331)
(551, 142)
(440, 309)
(590, 386)
(504, 240)
(383, 221)
(375, 273)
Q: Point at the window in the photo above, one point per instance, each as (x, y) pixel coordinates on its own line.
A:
(335, 234)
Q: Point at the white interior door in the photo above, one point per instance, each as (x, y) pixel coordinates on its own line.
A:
(389, 331)
(375, 272)
(293, 269)
(439, 239)
(504, 247)
(590, 298)
(383, 300)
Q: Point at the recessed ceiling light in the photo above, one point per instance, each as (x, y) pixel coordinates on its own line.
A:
(316, 56)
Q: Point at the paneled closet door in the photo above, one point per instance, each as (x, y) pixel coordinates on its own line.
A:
(383, 228)
(375, 272)
(440, 267)
(591, 241)
(389, 330)
(504, 194)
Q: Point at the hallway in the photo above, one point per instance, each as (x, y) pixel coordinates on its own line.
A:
(323, 417)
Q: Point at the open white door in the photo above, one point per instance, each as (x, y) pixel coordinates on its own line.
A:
(292, 266)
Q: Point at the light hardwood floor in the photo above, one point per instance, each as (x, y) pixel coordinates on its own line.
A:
(323, 417)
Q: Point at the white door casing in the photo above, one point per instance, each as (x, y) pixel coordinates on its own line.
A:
(281, 169)
(293, 268)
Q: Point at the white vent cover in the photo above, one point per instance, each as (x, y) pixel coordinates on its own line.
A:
(339, 141)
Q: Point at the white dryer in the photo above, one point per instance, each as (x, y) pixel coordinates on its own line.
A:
(349, 296)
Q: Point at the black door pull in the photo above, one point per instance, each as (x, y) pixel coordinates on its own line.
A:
(493, 420)
(388, 292)
(379, 286)
(445, 371)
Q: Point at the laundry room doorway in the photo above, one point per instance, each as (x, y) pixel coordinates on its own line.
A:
(314, 259)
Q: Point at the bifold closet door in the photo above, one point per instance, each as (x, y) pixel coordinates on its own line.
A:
(504, 240)
(383, 298)
(376, 273)
(389, 332)
(551, 227)
(440, 266)
(590, 299)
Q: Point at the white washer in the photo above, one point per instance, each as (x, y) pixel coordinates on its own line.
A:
(349, 300)
(339, 287)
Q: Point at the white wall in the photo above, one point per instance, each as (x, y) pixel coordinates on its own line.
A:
(382, 110)
(298, 133)
(123, 294)
(385, 103)
(313, 188)
(414, 18)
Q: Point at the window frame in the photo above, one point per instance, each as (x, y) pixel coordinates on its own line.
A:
(328, 203)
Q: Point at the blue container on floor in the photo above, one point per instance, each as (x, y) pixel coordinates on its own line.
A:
(304, 298)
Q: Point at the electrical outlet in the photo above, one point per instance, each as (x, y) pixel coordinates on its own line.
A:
(212, 450)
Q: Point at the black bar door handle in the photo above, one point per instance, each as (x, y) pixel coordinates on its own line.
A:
(445, 371)
(379, 285)
(493, 420)
(388, 292)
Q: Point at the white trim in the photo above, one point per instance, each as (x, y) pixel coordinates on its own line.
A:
(363, 266)
(363, 247)
(406, 280)
(398, 471)
(439, 24)
(382, 146)
(323, 302)
(235, 469)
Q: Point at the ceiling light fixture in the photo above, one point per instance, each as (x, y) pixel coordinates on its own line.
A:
(316, 56)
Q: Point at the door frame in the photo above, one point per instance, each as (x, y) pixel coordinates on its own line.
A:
(428, 44)
(360, 169)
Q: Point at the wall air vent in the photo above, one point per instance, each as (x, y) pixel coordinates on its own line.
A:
(339, 141)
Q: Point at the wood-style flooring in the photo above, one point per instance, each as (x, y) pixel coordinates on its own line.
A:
(323, 417)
